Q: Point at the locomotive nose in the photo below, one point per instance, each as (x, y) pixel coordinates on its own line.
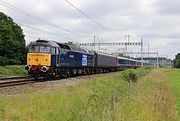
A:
(39, 59)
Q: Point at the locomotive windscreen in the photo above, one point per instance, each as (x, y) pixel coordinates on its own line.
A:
(41, 49)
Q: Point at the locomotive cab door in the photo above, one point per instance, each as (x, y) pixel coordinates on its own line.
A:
(58, 56)
(55, 57)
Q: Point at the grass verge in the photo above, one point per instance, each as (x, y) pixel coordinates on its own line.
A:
(12, 70)
(103, 99)
(174, 79)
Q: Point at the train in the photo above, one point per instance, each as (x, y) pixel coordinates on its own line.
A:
(50, 59)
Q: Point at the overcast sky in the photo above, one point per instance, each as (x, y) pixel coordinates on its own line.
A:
(156, 21)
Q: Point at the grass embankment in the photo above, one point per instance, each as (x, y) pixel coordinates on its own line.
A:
(174, 79)
(13, 70)
(106, 98)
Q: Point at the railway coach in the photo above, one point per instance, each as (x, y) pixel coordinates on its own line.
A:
(105, 62)
(123, 62)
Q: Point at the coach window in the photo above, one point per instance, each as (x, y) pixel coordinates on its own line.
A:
(53, 51)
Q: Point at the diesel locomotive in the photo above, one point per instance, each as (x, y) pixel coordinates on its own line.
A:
(53, 59)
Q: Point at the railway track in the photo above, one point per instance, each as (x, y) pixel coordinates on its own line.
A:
(14, 81)
(16, 77)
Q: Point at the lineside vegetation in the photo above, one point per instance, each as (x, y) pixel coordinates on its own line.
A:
(145, 96)
(12, 43)
(174, 79)
(12, 70)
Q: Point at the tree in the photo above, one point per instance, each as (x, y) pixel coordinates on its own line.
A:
(12, 42)
(177, 61)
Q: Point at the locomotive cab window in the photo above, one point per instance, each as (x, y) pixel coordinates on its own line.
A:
(34, 49)
(53, 51)
(41, 49)
(44, 49)
(57, 51)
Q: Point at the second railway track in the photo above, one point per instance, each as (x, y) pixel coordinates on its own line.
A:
(14, 81)
(13, 78)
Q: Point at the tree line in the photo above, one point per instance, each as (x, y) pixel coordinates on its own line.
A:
(12, 42)
(177, 61)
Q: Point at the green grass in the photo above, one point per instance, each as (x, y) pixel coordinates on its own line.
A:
(174, 78)
(108, 98)
(12, 70)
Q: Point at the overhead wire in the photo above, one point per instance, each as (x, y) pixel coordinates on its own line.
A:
(41, 30)
(37, 18)
(94, 21)
(43, 21)
(31, 28)
(86, 15)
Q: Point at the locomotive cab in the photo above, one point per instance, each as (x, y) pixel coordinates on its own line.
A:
(42, 56)
(39, 55)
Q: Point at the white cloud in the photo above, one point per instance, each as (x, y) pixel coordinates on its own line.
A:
(157, 21)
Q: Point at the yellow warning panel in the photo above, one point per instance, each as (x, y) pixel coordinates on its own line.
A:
(39, 59)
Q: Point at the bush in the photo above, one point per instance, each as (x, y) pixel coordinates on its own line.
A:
(129, 75)
(13, 70)
(5, 61)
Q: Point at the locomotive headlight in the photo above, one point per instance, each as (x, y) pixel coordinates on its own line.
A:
(44, 69)
(27, 67)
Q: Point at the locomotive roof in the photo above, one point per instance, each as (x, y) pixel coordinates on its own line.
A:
(73, 48)
(44, 43)
(60, 45)
(110, 55)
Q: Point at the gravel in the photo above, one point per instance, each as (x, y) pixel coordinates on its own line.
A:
(47, 86)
